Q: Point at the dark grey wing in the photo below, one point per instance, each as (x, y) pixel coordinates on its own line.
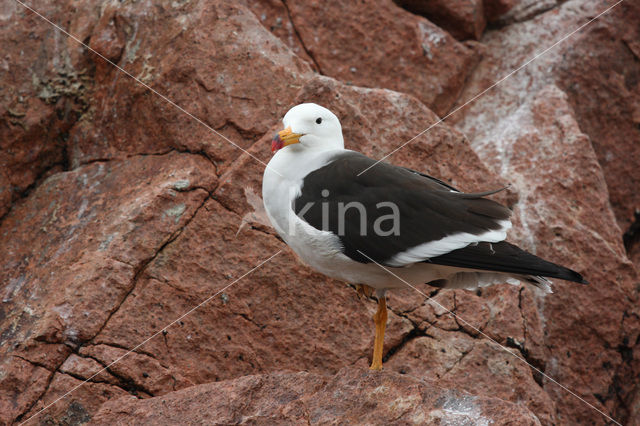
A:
(505, 257)
(390, 210)
(436, 180)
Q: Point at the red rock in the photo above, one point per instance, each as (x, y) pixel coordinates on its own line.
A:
(602, 72)
(505, 12)
(463, 19)
(142, 370)
(5, 193)
(433, 355)
(87, 369)
(42, 354)
(45, 80)
(77, 407)
(378, 44)
(274, 16)
(495, 8)
(596, 67)
(432, 312)
(564, 214)
(497, 315)
(634, 254)
(474, 312)
(634, 409)
(22, 384)
(352, 396)
(480, 367)
(504, 317)
(71, 251)
(218, 64)
(98, 259)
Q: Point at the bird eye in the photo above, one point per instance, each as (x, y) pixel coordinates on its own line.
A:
(319, 120)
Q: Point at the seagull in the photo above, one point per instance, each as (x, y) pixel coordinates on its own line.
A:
(380, 226)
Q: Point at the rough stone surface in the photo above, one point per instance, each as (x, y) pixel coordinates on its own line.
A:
(504, 12)
(250, 327)
(463, 19)
(593, 107)
(353, 396)
(72, 252)
(493, 9)
(563, 210)
(378, 44)
(452, 350)
(120, 214)
(83, 404)
(218, 63)
(632, 242)
(607, 78)
(274, 15)
(599, 70)
(45, 79)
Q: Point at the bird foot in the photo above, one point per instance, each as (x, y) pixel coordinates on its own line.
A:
(375, 367)
(364, 290)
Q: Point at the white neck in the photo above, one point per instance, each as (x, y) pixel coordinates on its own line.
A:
(296, 161)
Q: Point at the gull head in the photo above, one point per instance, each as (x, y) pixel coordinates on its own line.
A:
(309, 126)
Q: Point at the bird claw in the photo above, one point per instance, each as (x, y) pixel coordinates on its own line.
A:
(364, 290)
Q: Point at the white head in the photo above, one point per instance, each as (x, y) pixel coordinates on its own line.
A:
(309, 126)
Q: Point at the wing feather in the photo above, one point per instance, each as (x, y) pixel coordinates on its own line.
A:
(433, 218)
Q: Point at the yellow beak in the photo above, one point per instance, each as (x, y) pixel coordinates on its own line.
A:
(288, 137)
(283, 138)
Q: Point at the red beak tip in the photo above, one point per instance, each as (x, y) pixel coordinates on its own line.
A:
(276, 143)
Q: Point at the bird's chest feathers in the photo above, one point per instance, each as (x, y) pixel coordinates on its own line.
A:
(279, 192)
(310, 243)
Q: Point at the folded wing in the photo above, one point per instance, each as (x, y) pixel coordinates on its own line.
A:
(394, 215)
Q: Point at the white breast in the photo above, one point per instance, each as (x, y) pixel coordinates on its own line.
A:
(281, 185)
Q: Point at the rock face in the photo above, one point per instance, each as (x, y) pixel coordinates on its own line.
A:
(218, 63)
(463, 19)
(597, 68)
(378, 44)
(503, 12)
(540, 132)
(45, 78)
(535, 138)
(354, 396)
(138, 271)
(73, 250)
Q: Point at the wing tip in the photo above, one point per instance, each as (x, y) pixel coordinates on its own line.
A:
(575, 277)
(568, 275)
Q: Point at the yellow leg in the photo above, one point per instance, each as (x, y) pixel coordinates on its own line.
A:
(380, 319)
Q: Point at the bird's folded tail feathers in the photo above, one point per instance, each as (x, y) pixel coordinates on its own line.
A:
(505, 257)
